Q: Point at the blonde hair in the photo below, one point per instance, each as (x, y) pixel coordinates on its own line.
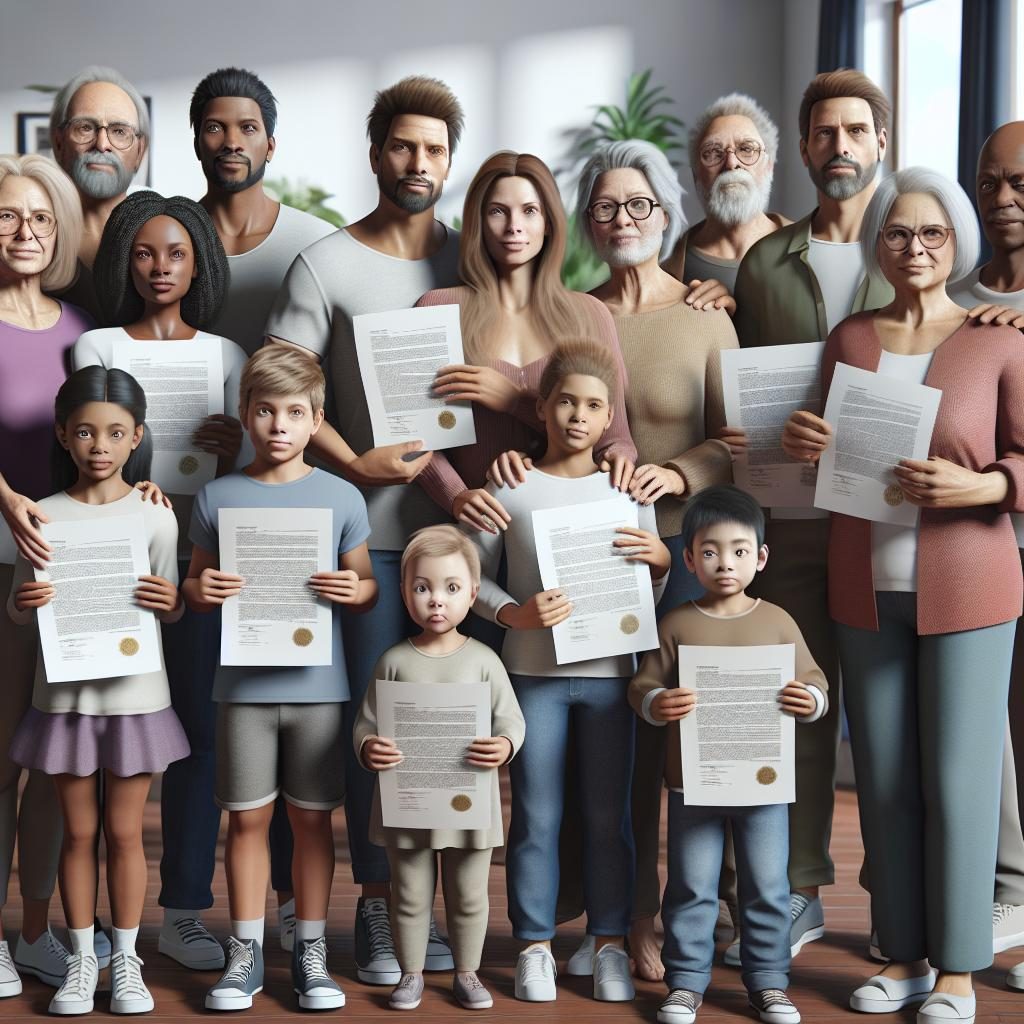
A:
(416, 94)
(555, 311)
(438, 541)
(278, 369)
(585, 357)
(67, 210)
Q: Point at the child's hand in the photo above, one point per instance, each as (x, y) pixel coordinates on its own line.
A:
(379, 754)
(644, 546)
(215, 587)
(219, 435)
(797, 700)
(156, 594)
(671, 705)
(33, 594)
(340, 586)
(542, 611)
(650, 482)
(490, 752)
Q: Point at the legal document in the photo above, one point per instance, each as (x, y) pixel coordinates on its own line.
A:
(876, 422)
(737, 745)
(762, 387)
(612, 598)
(433, 726)
(184, 383)
(276, 619)
(93, 628)
(399, 355)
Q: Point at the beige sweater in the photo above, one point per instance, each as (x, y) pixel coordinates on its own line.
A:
(674, 399)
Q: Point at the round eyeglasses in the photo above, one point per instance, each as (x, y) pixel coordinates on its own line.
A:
(40, 223)
(897, 238)
(747, 152)
(84, 130)
(604, 211)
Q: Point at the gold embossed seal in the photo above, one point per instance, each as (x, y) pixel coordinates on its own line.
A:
(461, 802)
(893, 495)
(446, 419)
(128, 646)
(629, 624)
(302, 637)
(766, 775)
(188, 464)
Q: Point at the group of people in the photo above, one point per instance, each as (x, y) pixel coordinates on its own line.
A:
(576, 398)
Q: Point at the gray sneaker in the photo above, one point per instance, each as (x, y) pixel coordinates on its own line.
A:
(774, 1006)
(680, 1007)
(242, 978)
(469, 991)
(1007, 927)
(376, 962)
(316, 989)
(439, 951)
(10, 983)
(101, 945)
(808, 924)
(407, 994)
(45, 959)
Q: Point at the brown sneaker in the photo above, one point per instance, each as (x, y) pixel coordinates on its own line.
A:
(470, 993)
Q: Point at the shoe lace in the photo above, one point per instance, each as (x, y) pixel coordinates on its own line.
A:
(434, 935)
(1001, 911)
(81, 975)
(240, 961)
(615, 964)
(127, 976)
(798, 903)
(409, 981)
(772, 997)
(471, 981)
(5, 957)
(378, 928)
(191, 929)
(536, 966)
(313, 959)
(682, 997)
(55, 948)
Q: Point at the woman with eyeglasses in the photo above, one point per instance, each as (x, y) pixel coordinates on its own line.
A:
(926, 614)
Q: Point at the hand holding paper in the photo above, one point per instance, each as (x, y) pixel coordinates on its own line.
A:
(489, 752)
(671, 705)
(463, 383)
(542, 611)
(156, 594)
(380, 754)
(939, 483)
(796, 699)
(341, 586)
(805, 436)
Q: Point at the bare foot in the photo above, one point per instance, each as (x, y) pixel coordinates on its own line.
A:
(645, 951)
(954, 984)
(902, 971)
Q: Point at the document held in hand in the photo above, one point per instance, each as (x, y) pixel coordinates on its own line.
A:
(876, 421)
(612, 598)
(93, 628)
(737, 745)
(184, 383)
(399, 355)
(433, 726)
(277, 619)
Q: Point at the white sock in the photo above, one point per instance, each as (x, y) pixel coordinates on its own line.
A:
(123, 939)
(246, 930)
(82, 940)
(307, 931)
(170, 914)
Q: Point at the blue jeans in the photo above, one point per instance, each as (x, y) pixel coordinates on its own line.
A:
(696, 838)
(366, 638)
(602, 722)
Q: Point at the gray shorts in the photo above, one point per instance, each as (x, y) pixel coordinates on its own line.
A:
(297, 750)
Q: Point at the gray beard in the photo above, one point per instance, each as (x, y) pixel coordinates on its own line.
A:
(736, 197)
(409, 201)
(843, 188)
(639, 252)
(99, 184)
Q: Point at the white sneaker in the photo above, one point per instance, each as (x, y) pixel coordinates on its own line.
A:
(128, 991)
(285, 926)
(10, 983)
(535, 975)
(76, 993)
(1015, 977)
(581, 963)
(613, 982)
(45, 959)
(187, 940)
(943, 1006)
(1007, 927)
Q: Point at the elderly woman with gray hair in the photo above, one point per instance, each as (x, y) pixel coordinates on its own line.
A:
(926, 613)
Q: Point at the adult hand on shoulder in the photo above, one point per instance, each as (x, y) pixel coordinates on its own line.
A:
(489, 752)
(461, 382)
(710, 294)
(796, 699)
(156, 594)
(644, 546)
(379, 754)
(650, 482)
(151, 492)
(23, 517)
(805, 436)
(33, 594)
(480, 509)
(671, 705)
(991, 313)
(939, 483)
(219, 435)
(215, 587)
(340, 586)
(735, 438)
(509, 469)
(621, 469)
(389, 464)
(542, 611)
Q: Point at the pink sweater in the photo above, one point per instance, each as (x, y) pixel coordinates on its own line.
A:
(968, 572)
(451, 472)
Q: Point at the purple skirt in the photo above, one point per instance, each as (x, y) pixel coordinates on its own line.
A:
(68, 743)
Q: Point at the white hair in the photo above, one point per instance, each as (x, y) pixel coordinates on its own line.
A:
(736, 104)
(95, 73)
(652, 163)
(950, 196)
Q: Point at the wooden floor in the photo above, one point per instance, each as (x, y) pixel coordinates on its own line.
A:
(823, 974)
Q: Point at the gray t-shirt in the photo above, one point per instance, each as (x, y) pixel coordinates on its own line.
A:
(309, 684)
(702, 266)
(257, 275)
(332, 281)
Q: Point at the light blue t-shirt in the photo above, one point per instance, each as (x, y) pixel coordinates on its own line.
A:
(307, 684)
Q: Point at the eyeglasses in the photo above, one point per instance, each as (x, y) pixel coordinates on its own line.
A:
(604, 211)
(897, 238)
(83, 132)
(747, 152)
(40, 223)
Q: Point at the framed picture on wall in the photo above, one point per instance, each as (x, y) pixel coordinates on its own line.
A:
(34, 134)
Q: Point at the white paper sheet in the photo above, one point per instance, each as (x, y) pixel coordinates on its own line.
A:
(433, 725)
(737, 745)
(877, 421)
(762, 387)
(93, 628)
(399, 355)
(612, 598)
(277, 620)
(184, 383)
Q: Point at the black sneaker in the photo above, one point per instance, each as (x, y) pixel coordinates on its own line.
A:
(316, 989)
(242, 978)
(376, 962)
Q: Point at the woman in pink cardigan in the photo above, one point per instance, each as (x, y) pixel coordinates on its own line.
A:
(927, 614)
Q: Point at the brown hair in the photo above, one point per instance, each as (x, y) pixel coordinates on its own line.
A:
(583, 356)
(279, 369)
(438, 541)
(555, 311)
(416, 94)
(830, 85)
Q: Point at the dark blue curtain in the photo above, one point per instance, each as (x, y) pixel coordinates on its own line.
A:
(841, 35)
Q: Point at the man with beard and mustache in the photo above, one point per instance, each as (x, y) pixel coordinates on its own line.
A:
(386, 260)
(99, 130)
(233, 115)
(732, 152)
